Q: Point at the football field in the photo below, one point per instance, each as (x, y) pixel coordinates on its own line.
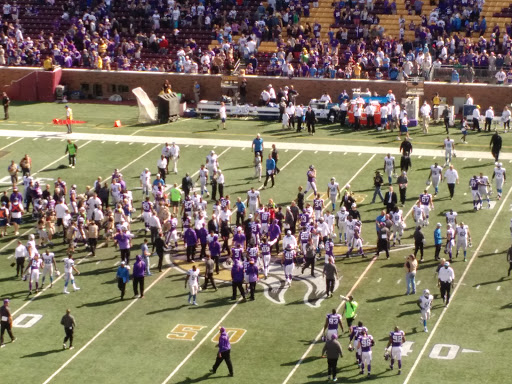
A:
(275, 339)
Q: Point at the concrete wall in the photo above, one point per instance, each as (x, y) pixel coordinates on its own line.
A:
(151, 82)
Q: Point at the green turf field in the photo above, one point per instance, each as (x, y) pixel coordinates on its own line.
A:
(162, 339)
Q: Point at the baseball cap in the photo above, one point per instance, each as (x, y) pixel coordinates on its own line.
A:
(222, 329)
(439, 225)
(123, 263)
(6, 301)
(288, 232)
(447, 264)
(250, 216)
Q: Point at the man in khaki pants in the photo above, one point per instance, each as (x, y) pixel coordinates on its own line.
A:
(425, 111)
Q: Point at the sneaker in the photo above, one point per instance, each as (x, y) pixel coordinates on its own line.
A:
(76, 289)
(66, 292)
(14, 340)
(390, 367)
(2, 345)
(335, 379)
(64, 346)
(71, 347)
(361, 372)
(425, 330)
(194, 303)
(399, 371)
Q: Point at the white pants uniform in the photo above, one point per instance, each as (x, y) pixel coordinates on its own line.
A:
(418, 220)
(435, 181)
(266, 263)
(475, 194)
(449, 246)
(350, 237)
(425, 314)
(484, 193)
(48, 270)
(252, 208)
(389, 172)
(396, 353)
(316, 240)
(462, 243)
(426, 211)
(193, 288)
(146, 216)
(331, 332)
(34, 276)
(448, 155)
(304, 246)
(202, 182)
(366, 358)
(318, 214)
(69, 276)
(356, 243)
(288, 270)
(173, 236)
(398, 228)
(342, 229)
(175, 163)
(333, 200)
(146, 189)
(310, 185)
(264, 228)
(499, 184)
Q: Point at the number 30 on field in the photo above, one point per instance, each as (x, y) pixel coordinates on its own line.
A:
(189, 332)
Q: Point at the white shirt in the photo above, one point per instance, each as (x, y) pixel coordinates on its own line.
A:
(426, 302)
(222, 112)
(60, 210)
(20, 251)
(451, 217)
(476, 113)
(425, 110)
(448, 144)
(154, 221)
(253, 196)
(161, 163)
(451, 176)
(68, 265)
(436, 171)
(446, 274)
(193, 277)
(469, 101)
(145, 178)
(289, 240)
(501, 76)
(489, 114)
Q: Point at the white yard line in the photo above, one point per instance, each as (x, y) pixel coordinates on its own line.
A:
(14, 142)
(471, 260)
(60, 158)
(214, 328)
(103, 329)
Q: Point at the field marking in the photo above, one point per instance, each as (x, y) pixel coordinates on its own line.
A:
(473, 258)
(398, 281)
(379, 280)
(370, 264)
(498, 287)
(214, 328)
(104, 329)
(14, 142)
(60, 158)
(478, 286)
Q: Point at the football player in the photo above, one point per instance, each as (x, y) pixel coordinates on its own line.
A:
(288, 261)
(355, 331)
(436, 174)
(477, 199)
(396, 340)
(483, 189)
(398, 225)
(463, 238)
(450, 236)
(333, 190)
(366, 341)
(311, 180)
(418, 214)
(451, 217)
(425, 303)
(427, 203)
(49, 264)
(332, 323)
(499, 174)
(389, 167)
(69, 267)
(449, 150)
(341, 223)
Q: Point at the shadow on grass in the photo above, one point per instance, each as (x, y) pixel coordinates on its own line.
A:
(206, 376)
(305, 361)
(43, 353)
(100, 303)
(490, 282)
(383, 298)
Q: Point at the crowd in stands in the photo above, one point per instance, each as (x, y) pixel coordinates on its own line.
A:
(158, 35)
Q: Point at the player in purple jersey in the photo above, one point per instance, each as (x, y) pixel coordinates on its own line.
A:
(255, 231)
(332, 323)
(366, 341)
(236, 252)
(318, 205)
(396, 340)
(311, 180)
(265, 253)
(304, 218)
(477, 199)
(355, 332)
(288, 261)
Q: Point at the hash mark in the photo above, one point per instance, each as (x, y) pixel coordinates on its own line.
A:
(498, 287)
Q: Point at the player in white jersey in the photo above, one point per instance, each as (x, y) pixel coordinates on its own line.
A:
(450, 239)
(34, 265)
(483, 189)
(350, 225)
(436, 174)
(253, 198)
(427, 203)
(500, 175)
(174, 152)
(425, 303)
(203, 180)
(418, 214)
(212, 164)
(145, 181)
(333, 190)
(69, 268)
(192, 279)
(449, 150)
(398, 225)
(451, 217)
(463, 238)
(389, 167)
(396, 340)
(49, 264)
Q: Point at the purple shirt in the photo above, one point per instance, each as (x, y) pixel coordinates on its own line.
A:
(123, 240)
(224, 342)
(252, 272)
(274, 232)
(239, 238)
(190, 237)
(237, 272)
(139, 267)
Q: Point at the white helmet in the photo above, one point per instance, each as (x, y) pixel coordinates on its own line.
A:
(500, 164)
(426, 292)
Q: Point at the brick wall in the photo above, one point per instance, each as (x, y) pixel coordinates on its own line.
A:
(151, 82)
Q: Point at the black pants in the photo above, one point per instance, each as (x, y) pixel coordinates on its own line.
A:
(343, 116)
(20, 266)
(6, 112)
(350, 320)
(162, 173)
(209, 277)
(271, 176)
(154, 234)
(476, 125)
(121, 285)
(240, 217)
(252, 286)
(332, 367)
(451, 188)
(138, 283)
(69, 335)
(214, 189)
(5, 326)
(438, 250)
(160, 259)
(310, 262)
(203, 251)
(216, 260)
(403, 193)
(311, 127)
(383, 245)
(191, 252)
(239, 285)
(496, 153)
(72, 160)
(221, 190)
(445, 290)
(125, 255)
(488, 122)
(447, 125)
(276, 245)
(357, 123)
(329, 286)
(224, 356)
(93, 243)
(506, 125)
(370, 121)
(509, 268)
(299, 123)
(418, 246)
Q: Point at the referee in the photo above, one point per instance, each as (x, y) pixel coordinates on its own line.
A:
(69, 324)
(446, 281)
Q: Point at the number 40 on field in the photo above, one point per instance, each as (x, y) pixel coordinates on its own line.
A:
(189, 332)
